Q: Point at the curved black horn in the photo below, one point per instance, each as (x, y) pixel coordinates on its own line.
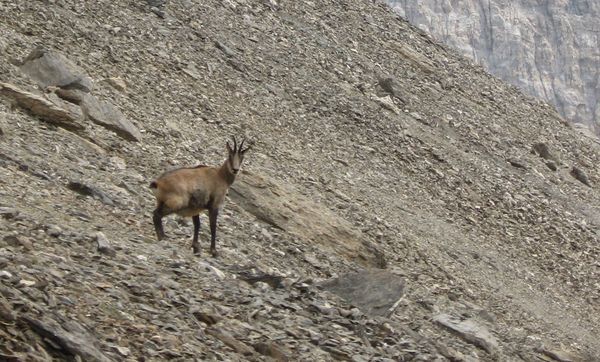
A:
(242, 144)
(234, 144)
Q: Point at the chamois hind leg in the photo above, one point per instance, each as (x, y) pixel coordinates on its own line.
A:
(212, 216)
(157, 216)
(195, 243)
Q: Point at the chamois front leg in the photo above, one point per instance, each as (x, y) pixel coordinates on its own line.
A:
(212, 216)
(195, 243)
(157, 216)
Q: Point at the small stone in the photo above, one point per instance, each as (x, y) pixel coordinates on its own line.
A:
(54, 231)
(159, 12)
(224, 48)
(387, 103)
(517, 163)
(167, 283)
(262, 286)
(344, 312)
(104, 245)
(70, 95)
(156, 3)
(266, 234)
(218, 273)
(453, 296)
(26, 243)
(392, 87)
(273, 350)
(254, 276)
(5, 274)
(6, 312)
(118, 163)
(12, 240)
(117, 83)
(560, 355)
(192, 71)
(416, 116)
(92, 191)
(541, 149)
(355, 313)
(27, 283)
(8, 212)
(469, 331)
(336, 353)
(324, 309)
(207, 316)
(123, 351)
(551, 165)
(580, 175)
(230, 341)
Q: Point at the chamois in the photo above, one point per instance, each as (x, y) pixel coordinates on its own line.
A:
(189, 191)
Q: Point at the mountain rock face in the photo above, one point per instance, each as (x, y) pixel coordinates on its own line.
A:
(550, 49)
(398, 203)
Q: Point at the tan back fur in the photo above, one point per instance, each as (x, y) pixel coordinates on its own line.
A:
(188, 191)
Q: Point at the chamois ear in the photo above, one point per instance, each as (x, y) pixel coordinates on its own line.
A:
(229, 150)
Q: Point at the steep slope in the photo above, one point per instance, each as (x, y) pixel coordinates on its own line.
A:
(374, 147)
(549, 49)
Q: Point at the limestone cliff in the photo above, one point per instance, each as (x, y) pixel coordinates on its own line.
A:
(548, 48)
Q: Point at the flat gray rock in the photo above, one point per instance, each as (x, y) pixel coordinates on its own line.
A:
(69, 335)
(470, 331)
(109, 116)
(374, 291)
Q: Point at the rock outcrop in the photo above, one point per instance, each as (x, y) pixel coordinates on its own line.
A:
(548, 49)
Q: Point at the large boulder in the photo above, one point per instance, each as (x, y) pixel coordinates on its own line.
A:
(42, 107)
(50, 68)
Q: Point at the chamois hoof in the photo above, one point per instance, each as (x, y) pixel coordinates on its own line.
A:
(160, 236)
(214, 253)
(196, 251)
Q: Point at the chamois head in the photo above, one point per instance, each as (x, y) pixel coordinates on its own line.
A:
(235, 155)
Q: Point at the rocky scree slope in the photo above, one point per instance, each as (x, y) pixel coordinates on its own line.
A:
(375, 148)
(549, 49)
